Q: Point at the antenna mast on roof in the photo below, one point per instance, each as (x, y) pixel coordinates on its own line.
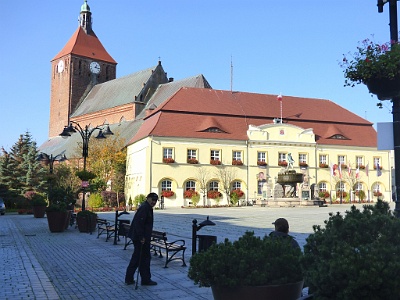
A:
(231, 75)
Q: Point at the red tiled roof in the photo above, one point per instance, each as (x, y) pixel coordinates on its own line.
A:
(86, 45)
(190, 110)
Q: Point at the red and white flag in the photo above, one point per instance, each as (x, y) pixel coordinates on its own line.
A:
(367, 170)
(333, 169)
(340, 171)
(357, 172)
(279, 98)
(349, 168)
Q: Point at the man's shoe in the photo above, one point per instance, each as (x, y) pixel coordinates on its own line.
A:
(130, 282)
(150, 282)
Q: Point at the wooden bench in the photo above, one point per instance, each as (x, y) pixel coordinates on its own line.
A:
(159, 243)
(105, 227)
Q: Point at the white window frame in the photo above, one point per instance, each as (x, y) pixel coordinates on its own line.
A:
(261, 156)
(237, 155)
(166, 185)
(213, 186)
(191, 154)
(215, 155)
(168, 152)
(323, 159)
(190, 185)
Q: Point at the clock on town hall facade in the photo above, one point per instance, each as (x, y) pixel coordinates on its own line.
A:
(81, 64)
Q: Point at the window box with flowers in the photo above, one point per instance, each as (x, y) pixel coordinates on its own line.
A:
(237, 162)
(380, 167)
(215, 162)
(377, 194)
(167, 193)
(168, 160)
(282, 163)
(322, 165)
(188, 194)
(303, 164)
(261, 163)
(361, 167)
(192, 161)
(375, 65)
(214, 194)
(323, 194)
(237, 192)
(343, 166)
(340, 193)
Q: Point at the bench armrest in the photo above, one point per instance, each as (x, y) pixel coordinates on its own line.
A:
(179, 242)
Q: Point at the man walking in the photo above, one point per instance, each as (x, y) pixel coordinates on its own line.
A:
(140, 233)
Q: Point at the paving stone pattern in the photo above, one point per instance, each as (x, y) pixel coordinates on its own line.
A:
(38, 264)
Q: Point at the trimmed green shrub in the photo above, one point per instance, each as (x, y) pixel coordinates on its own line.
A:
(355, 256)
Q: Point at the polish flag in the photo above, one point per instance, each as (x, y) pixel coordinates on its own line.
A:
(279, 98)
(358, 172)
(367, 170)
(349, 168)
(340, 171)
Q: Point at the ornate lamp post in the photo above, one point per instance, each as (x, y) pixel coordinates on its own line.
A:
(85, 133)
(50, 159)
(394, 37)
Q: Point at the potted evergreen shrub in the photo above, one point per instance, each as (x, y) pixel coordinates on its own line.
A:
(249, 268)
(39, 204)
(354, 256)
(57, 216)
(86, 221)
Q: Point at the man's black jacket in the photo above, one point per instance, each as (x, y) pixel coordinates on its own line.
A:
(142, 223)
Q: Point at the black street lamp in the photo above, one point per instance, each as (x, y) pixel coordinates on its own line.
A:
(50, 159)
(85, 133)
(394, 37)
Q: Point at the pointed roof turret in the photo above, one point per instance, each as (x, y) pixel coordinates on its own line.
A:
(85, 18)
(84, 41)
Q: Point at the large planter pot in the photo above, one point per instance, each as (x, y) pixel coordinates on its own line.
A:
(384, 88)
(39, 211)
(291, 291)
(86, 224)
(57, 220)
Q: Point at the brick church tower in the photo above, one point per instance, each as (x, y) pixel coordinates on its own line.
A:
(81, 64)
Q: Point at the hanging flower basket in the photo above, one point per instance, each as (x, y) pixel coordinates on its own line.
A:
(85, 175)
(384, 88)
(375, 65)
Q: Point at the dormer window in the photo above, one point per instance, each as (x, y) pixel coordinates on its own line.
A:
(214, 129)
(338, 137)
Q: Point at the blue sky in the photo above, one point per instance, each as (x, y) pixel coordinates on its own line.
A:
(290, 47)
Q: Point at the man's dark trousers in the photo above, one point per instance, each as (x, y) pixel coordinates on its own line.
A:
(144, 268)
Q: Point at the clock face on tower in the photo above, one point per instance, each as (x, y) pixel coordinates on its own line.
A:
(60, 66)
(95, 67)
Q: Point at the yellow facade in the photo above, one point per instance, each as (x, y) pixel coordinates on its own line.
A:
(147, 171)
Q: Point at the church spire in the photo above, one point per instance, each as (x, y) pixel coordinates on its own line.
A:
(85, 18)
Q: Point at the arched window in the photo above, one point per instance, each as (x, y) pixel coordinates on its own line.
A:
(322, 187)
(190, 185)
(166, 185)
(213, 186)
(236, 185)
